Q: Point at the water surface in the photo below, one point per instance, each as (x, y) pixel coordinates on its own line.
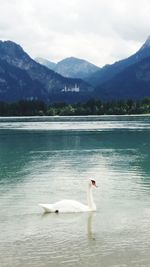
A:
(43, 160)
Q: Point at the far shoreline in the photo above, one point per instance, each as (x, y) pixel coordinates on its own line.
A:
(76, 116)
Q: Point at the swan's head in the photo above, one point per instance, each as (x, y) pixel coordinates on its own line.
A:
(93, 183)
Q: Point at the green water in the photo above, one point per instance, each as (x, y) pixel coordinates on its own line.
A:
(43, 160)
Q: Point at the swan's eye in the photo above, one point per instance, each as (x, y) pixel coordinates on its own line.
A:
(93, 182)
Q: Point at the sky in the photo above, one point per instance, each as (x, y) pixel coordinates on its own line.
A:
(100, 31)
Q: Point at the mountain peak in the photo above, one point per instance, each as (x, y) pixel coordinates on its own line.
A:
(10, 45)
(70, 60)
(75, 67)
(11, 51)
(70, 67)
(74, 60)
(146, 44)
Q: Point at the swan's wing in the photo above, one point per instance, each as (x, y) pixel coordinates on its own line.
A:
(64, 206)
(68, 205)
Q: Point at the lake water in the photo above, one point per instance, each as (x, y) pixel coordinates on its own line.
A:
(43, 160)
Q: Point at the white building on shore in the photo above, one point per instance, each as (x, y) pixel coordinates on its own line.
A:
(75, 89)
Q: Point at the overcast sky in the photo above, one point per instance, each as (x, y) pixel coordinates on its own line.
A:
(101, 31)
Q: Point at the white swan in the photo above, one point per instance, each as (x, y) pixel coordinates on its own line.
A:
(68, 205)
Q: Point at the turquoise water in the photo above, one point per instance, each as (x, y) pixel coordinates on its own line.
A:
(43, 160)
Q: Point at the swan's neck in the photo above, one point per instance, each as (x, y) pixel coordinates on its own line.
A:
(90, 200)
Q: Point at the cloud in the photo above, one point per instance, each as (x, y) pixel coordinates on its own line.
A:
(101, 31)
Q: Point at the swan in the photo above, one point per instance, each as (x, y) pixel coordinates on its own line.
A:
(68, 205)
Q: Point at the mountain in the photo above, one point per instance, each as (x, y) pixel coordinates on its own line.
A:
(23, 78)
(75, 68)
(71, 67)
(45, 62)
(109, 71)
(16, 84)
(131, 83)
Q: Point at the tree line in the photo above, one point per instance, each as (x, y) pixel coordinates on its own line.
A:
(91, 107)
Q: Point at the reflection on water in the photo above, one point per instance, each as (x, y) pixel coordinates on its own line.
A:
(85, 123)
(46, 166)
(89, 226)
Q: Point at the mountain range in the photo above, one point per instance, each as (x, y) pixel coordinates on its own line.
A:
(21, 77)
(70, 67)
(127, 78)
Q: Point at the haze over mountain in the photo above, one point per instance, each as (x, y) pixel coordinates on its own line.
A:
(23, 78)
(45, 62)
(71, 67)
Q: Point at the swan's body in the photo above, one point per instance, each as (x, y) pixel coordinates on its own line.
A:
(65, 205)
(68, 205)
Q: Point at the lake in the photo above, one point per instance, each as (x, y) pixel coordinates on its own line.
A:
(45, 159)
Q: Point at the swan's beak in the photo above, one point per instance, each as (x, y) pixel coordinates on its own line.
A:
(96, 185)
